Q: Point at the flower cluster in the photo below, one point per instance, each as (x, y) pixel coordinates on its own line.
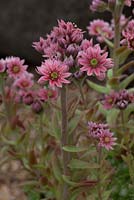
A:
(19, 85)
(60, 50)
(118, 100)
(17, 72)
(102, 134)
(94, 60)
(62, 43)
(128, 34)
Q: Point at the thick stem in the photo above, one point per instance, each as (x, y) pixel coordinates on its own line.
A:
(99, 173)
(116, 16)
(6, 105)
(64, 138)
(124, 130)
(128, 153)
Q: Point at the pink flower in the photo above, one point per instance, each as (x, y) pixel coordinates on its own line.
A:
(86, 44)
(131, 97)
(128, 2)
(15, 67)
(24, 82)
(101, 29)
(106, 139)
(28, 97)
(2, 65)
(98, 5)
(94, 61)
(109, 100)
(123, 21)
(39, 46)
(69, 61)
(54, 72)
(37, 106)
(47, 93)
(128, 34)
(123, 99)
(63, 40)
(96, 128)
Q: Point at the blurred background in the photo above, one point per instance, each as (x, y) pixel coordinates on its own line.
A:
(24, 21)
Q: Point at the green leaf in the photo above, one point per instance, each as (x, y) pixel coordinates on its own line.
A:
(125, 67)
(120, 50)
(128, 111)
(126, 82)
(108, 42)
(110, 73)
(98, 88)
(79, 164)
(74, 149)
(112, 116)
(56, 168)
(123, 53)
(66, 179)
(107, 194)
(73, 123)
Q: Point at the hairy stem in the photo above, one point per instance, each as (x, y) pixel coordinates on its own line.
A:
(99, 173)
(6, 105)
(116, 16)
(64, 138)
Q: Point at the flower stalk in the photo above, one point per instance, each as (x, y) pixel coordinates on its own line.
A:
(99, 173)
(116, 16)
(64, 137)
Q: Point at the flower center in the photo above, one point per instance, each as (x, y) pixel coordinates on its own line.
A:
(105, 34)
(110, 100)
(107, 139)
(50, 93)
(94, 62)
(98, 29)
(16, 69)
(54, 75)
(25, 84)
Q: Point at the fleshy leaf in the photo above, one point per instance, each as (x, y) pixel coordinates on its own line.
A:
(74, 149)
(79, 164)
(126, 81)
(98, 88)
(66, 179)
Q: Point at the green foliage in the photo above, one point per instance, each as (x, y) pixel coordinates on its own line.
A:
(79, 164)
(31, 194)
(98, 88)
(74, 149)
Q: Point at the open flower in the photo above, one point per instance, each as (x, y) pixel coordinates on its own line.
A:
(2, 65)
(94, 61)
(109, 100)
(47, 93)
(101, 29)
(106, 139)
(54, 72)
(24, 82)
(128, 34)
(15, 67)
(102, 134)
(98, 5)
(128, 2)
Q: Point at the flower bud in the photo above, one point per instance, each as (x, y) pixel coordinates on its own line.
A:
(28, 99)
(37, 106)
